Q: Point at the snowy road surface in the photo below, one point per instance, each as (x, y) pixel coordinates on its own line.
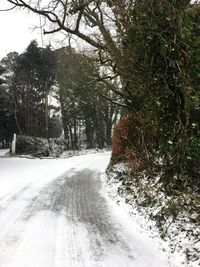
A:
(54, 213)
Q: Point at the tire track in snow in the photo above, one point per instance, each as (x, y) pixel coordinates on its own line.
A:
(76, 202)
(17, 207)
(65, 222)
(90, 208)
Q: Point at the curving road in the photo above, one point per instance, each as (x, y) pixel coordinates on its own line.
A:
(64, 220)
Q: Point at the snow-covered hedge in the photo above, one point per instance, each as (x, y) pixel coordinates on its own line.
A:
(39, 147)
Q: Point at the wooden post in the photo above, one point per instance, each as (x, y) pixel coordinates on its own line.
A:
(46, 114)
(13, 148)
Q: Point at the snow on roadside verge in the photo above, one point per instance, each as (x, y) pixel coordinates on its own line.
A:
(141, 219)
(4, 152)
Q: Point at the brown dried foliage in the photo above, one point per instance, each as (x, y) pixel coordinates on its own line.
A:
(133, 139)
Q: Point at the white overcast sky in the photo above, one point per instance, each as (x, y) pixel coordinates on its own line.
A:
(16, 30)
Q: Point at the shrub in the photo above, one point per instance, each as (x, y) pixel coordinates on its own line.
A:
(39, 147)
(133, 141)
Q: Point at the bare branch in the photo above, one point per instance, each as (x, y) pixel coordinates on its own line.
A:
(111, 100)
(8, 9)
(80, 7)
(79, 20)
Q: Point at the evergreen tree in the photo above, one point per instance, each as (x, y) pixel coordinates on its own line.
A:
(7, 123)
(84, 111)
(30, 85)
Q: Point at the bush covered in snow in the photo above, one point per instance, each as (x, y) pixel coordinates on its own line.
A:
(39, 147)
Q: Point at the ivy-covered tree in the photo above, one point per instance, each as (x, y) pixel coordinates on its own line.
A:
(162, 43)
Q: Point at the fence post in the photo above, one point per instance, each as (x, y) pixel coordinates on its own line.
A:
(13, 148)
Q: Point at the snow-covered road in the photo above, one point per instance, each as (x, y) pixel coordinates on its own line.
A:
(54, 213)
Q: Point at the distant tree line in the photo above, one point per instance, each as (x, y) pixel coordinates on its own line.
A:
(28, 80)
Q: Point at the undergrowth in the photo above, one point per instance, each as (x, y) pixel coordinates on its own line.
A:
(176, 213)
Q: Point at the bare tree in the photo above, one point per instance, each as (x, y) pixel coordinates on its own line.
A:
(103, 24)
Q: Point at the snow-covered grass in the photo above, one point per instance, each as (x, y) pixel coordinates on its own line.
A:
(174, 218)
(4, 152)
(136, 232)
(71, 153)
